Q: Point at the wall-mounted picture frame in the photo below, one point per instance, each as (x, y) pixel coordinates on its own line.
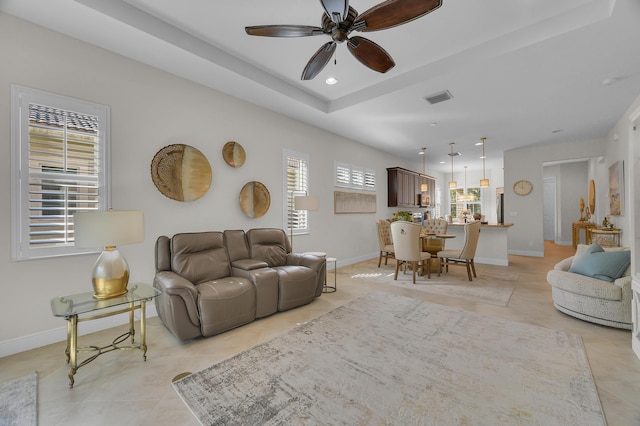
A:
(353, 202)
(616, 188)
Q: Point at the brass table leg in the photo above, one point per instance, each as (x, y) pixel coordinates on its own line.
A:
(143, 328)
(72, 346)
(132, 328)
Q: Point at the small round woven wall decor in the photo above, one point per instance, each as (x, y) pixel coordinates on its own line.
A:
(233, 154)
(181, 172)
(255, 199)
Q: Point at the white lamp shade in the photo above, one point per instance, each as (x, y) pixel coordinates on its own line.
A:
(108, 228)
(306, 202)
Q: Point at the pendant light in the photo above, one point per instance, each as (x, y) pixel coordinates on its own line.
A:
(452, 183)
(465, 196)
(484, 182)
(424, 187)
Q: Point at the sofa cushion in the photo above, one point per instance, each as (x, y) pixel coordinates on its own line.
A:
(200, 256)
(583, 249)
(606, 266)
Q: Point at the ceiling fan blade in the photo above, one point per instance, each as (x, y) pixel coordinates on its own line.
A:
(370, 54)
(392, 13)
(337, 10)
(284, 30)
(318, 61)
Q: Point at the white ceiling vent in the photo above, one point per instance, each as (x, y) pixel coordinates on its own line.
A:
(439, 97)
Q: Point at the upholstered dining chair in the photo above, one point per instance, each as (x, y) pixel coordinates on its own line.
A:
(406, 242)
(432, 244)
(463, 257)
(384, 240)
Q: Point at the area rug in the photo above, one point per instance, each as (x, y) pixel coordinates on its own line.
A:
(385, 359)
(492, 286)
(18, 401)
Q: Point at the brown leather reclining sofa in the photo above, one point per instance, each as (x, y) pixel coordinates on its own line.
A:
(212, 282)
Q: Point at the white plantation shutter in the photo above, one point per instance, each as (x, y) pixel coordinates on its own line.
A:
(370, 179)
(350, 176)
(357, 178)
(297, 183)
(342, 174)
(62, 170)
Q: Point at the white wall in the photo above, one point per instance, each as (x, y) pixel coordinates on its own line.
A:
(149, 110)
(526, 212)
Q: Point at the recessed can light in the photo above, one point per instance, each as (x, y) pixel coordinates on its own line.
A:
(331, 81)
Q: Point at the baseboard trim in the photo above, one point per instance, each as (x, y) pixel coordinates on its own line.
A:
(59, 334)
(527, 253)
(491, 261)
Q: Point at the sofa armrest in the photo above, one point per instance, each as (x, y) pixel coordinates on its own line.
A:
(564, 264)
(623, 282)
(249, 264)
(309, 260)
(172, 284)
(316, 263)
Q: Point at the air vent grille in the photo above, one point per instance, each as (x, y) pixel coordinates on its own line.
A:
(439, 97)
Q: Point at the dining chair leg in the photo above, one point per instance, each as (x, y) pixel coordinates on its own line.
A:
(469, 270)
(380, 259)
(473, 267)
(395, 277)
(414, 266)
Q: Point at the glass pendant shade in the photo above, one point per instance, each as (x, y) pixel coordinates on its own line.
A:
(452, 183)
(484, 182)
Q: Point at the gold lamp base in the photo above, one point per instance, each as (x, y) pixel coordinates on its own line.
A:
(110, 274)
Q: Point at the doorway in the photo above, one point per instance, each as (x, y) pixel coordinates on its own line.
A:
(549, 213)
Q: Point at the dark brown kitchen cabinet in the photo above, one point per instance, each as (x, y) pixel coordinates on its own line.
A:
(405, 189)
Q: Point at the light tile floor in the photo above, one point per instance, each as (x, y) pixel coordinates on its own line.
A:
(119, 388)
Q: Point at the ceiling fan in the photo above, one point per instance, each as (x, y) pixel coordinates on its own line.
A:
(340, 19)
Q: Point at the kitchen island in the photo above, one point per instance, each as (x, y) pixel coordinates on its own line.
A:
(492, 244)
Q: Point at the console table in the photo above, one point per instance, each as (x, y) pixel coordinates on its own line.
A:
(71, 307)
(605, 237)
(575, 231)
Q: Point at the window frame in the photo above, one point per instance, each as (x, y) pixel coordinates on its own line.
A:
(21, 98)
(288, 193)
(474, 206)
(358, 177)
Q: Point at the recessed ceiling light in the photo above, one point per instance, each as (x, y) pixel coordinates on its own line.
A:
(609, 81)
(331, 81)
(557, 131)
(434, 124)
(478, 143)
(442, 162)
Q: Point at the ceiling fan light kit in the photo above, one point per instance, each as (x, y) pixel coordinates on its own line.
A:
(340, 19)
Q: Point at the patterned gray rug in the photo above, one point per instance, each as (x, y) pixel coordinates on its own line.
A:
(18, 401)
(388, 359)
(493, 286)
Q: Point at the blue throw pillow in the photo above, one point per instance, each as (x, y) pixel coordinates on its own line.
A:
(606, 266)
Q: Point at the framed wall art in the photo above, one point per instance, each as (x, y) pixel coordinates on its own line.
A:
(353, 202)
(616, 188)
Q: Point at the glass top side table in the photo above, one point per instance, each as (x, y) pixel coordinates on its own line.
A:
(70, 307)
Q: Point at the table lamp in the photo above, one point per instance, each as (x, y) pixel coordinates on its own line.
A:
(108, 229)
(304, 202)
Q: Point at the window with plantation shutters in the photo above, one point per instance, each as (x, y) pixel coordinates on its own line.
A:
(350, 176)
(296, 171)
(60, 166)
